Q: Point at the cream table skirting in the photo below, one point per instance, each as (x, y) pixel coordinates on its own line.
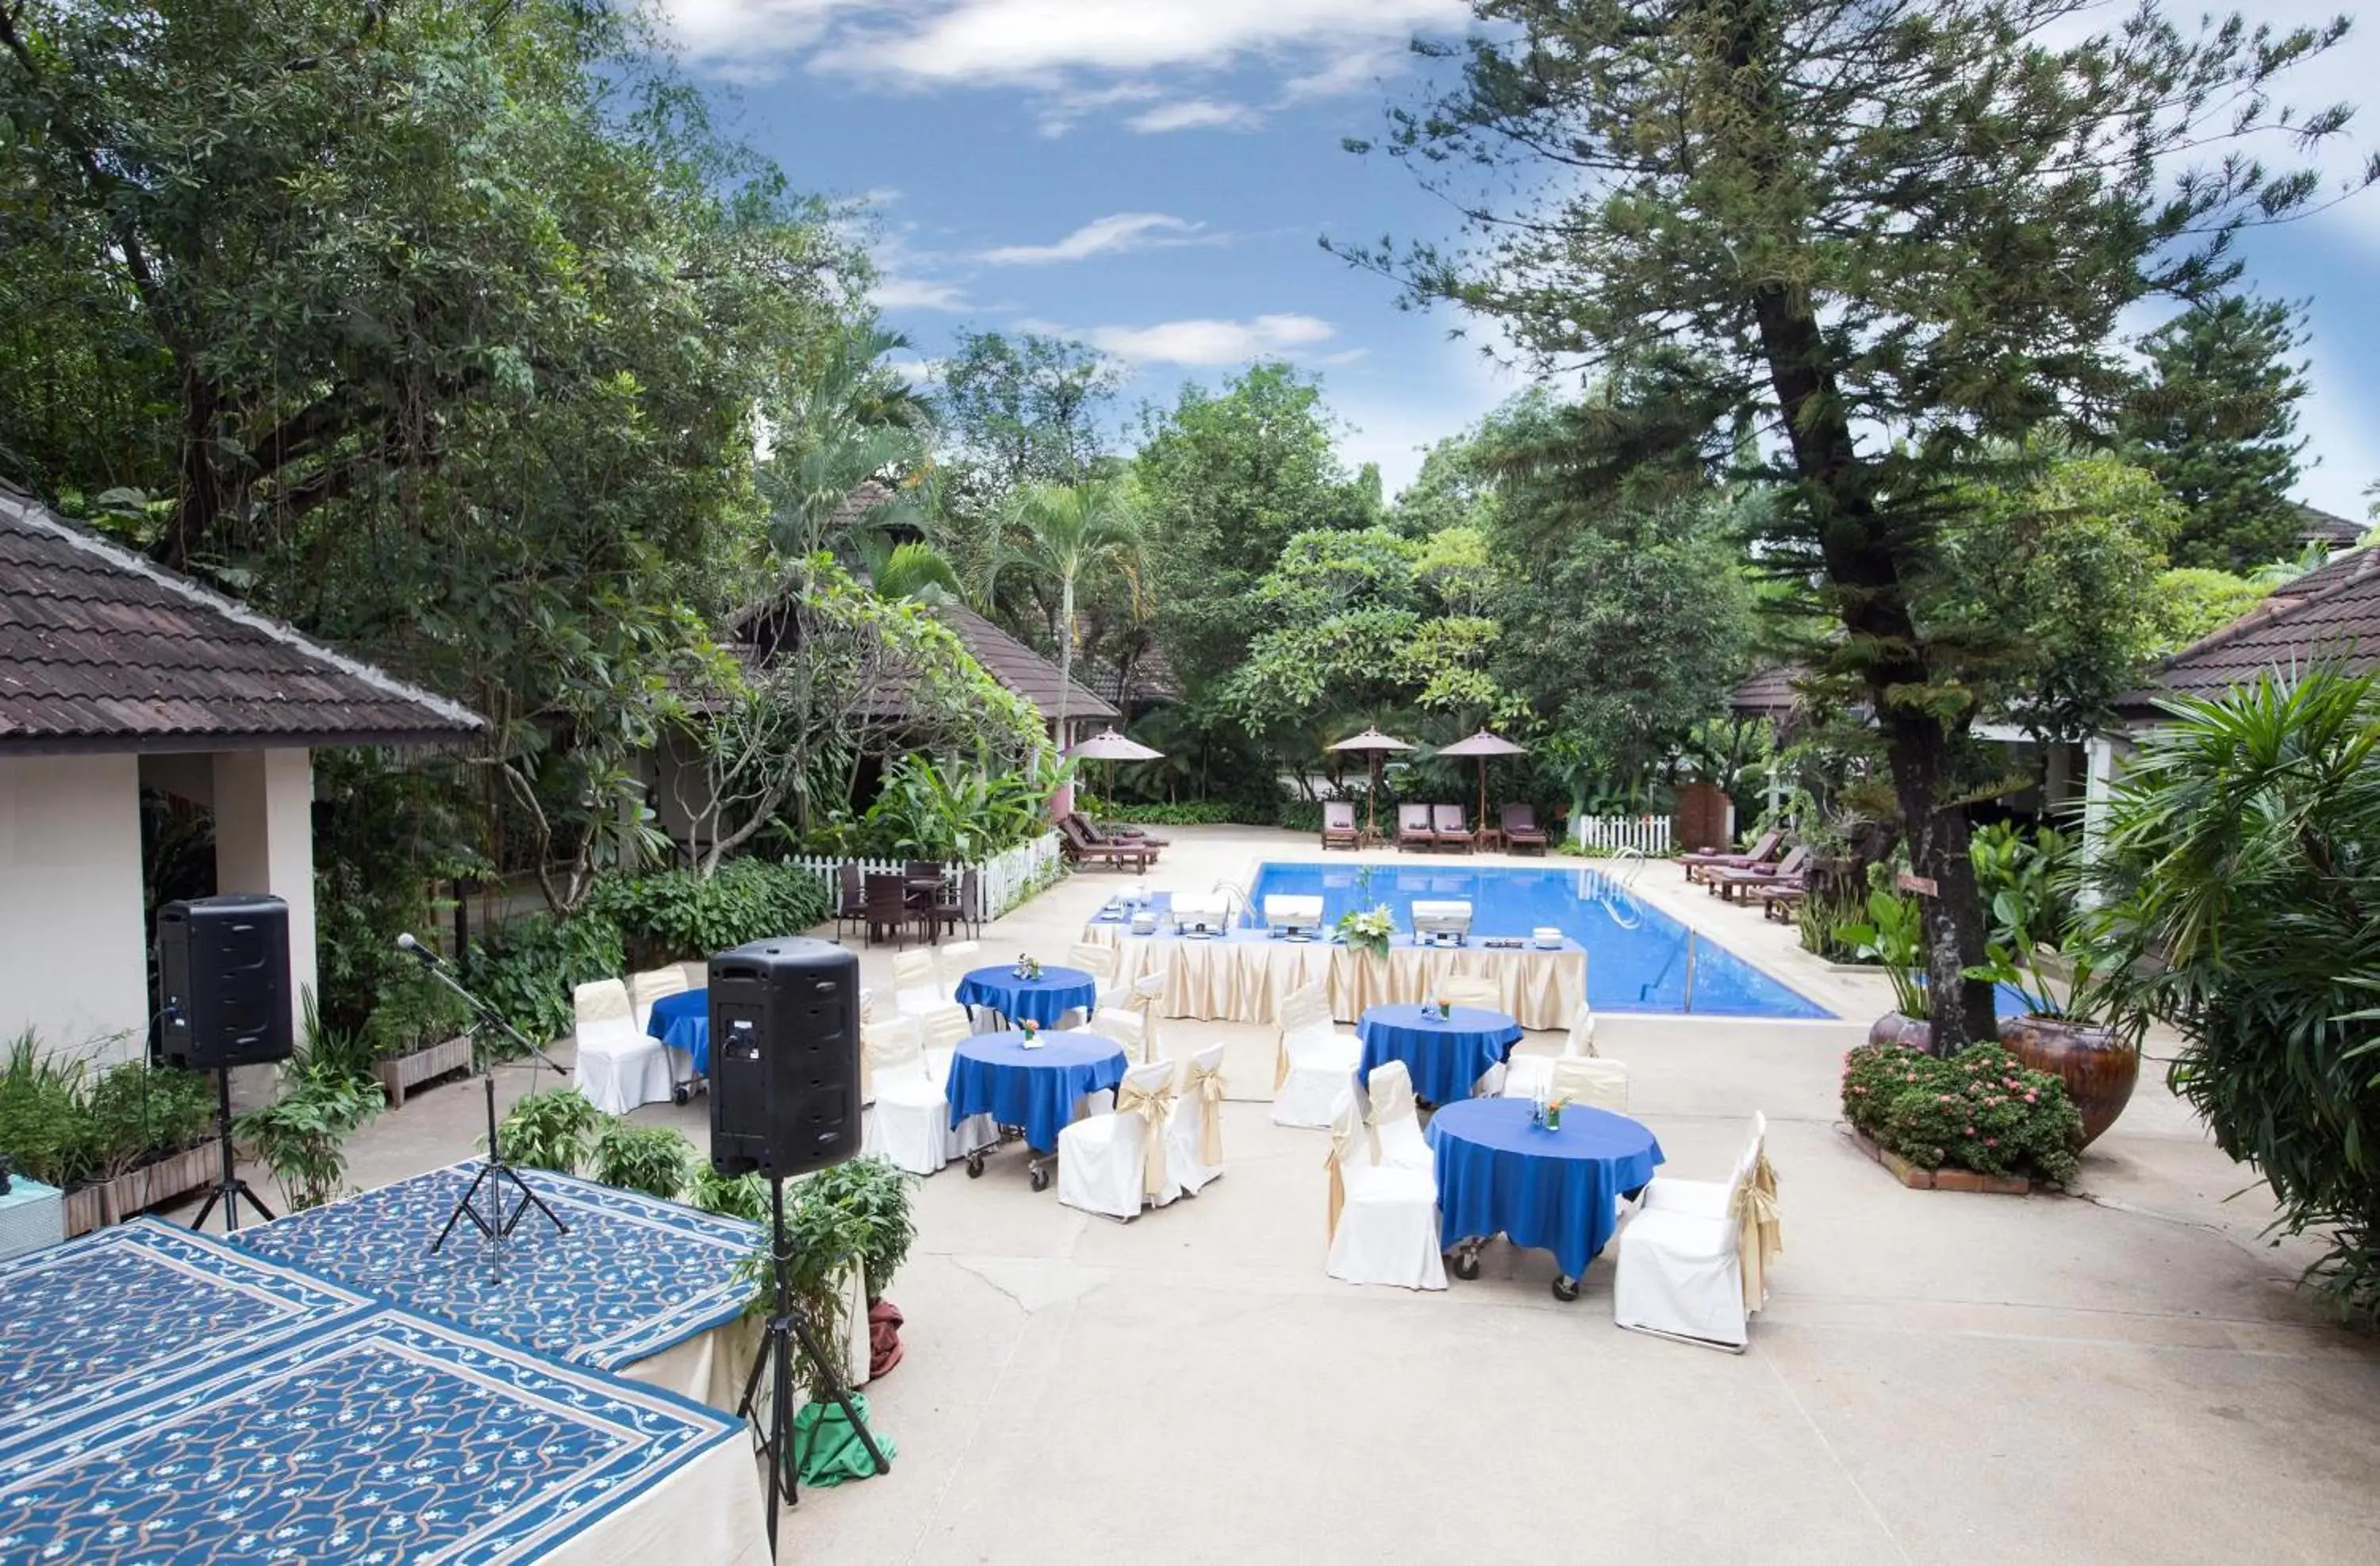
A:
(1238, 978)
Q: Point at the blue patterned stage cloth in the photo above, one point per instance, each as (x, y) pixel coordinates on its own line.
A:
(100, 1322)
(379, 1438)
(633, 1276)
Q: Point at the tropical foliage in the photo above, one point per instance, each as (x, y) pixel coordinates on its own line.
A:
(1981, 1108)
(2241, 878)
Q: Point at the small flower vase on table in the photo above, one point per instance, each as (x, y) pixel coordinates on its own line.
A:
(1553, 1114)
(1032, 1031)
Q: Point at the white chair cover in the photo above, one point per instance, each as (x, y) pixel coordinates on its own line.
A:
(620, 1067)
(1102, 963)
(1114, 1163)
(1193, 1137)
(1598, 1084)
(915, 986)
(1128, 1029)
(957, 959)
(646, 988)
(1314, 1061)
(1383, 1216)
(910, 1124)
(697, 973)
(1396, 1117)
(1464, 989)
(1689, 1272)
(1149, 999)
(1526, 1076)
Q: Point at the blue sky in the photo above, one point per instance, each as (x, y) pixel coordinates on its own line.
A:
(1152, 176)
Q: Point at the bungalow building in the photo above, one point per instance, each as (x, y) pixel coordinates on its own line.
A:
(117, 677)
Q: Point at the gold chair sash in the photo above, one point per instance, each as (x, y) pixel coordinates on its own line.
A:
(1343, 1141)
(1150, 1106)
(1206, 1087)
(1762, 1238)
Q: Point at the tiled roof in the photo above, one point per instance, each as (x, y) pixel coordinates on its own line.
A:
(1020, 668)
(101, 650)
(1766, 693)
(2330, 615)
(2316, 525)
(1152, 679)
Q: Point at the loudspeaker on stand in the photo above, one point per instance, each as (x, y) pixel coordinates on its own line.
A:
(223, 964)
(784, 1057)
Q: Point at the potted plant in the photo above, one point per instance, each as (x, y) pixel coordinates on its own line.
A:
(301, 1136)
(654, 1160)
(552, 1130)
(150, 1127)
(2080, 1036)
(415, 1037)
(1895, 936)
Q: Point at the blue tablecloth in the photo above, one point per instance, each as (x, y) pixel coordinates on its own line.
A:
(683, 1022)
(993, 1074)
(1042, 1000)
(1500, 1173)
(1445, 1058)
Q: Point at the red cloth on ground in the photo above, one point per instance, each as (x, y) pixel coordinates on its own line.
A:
(883, 1338)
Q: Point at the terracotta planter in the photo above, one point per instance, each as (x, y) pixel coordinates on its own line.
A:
(1912, 1033)
(2099, 1068)
(400, 1075)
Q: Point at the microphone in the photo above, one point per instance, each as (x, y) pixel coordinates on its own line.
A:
(430, 958)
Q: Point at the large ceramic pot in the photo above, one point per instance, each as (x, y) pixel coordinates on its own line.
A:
(1910, 1033)
(2098, 1068)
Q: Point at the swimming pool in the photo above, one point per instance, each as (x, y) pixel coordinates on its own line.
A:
(1636, 956)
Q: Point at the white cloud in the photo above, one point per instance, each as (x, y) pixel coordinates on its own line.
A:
(1101, 235)
(1217, 341)
(1351, 72)
(933, 41)
(1194, 113)
(894, 292)
(739, 33)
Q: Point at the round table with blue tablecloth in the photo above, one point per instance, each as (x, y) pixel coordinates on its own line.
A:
(1038, 1000)
(683, 1022)
(1500, 1172)
(1035, 1087)
(1446, 1057)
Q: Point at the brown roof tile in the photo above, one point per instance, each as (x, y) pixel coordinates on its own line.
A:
(2330, 615)
(101, 649)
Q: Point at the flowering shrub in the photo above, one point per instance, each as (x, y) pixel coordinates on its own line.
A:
(1979, 1109)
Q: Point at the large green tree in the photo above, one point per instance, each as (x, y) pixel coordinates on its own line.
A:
(2217, 424)
(1025, 410)
(1863, 233)
(445, 330)
(1068, 536)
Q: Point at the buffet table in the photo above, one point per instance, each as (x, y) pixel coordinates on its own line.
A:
(1238, 977)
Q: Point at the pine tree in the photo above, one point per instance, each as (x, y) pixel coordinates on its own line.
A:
(2216, 423)
(1877, 230)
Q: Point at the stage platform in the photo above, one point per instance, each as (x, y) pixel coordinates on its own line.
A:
(642, 1287)
(170, 1398)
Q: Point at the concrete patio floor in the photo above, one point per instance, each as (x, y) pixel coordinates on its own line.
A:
(2123, 1373)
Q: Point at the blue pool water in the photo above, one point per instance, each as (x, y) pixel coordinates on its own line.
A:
(1635, 955)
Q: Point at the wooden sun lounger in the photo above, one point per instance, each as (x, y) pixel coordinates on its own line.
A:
(1448, 829)
(1788, 872)
(1339, 828)
(1520, 826)
(1413, 829)
(1699, 867)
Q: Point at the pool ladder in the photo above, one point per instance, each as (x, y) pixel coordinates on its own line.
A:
(1644, 991)
(1630, 863)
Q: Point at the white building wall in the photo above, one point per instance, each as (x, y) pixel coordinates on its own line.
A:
(264, 843)
(73, 954)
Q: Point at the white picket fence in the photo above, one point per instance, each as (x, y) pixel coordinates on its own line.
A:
(1006, 878)
(1651, 835)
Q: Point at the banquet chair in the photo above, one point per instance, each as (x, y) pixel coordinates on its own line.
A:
(646, 988)
(1598, 1084)
(1313, 1062)
(1395, 1113)
(1128, 1030)
(1102, 964)
(958, 959)
(941, 1029)
(1193, 1137)
(697, 973)
(1527, 1075)
(1115, 1164)
(1693, 1262)
(915, 986)
(1383, 1215)
(909, 1124)
(619, 1066)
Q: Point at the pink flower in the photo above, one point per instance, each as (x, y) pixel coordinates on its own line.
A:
(1942, 1098)
(2032, 1097)
(1991, 1141)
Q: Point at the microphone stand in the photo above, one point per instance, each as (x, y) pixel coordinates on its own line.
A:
(497, 1224)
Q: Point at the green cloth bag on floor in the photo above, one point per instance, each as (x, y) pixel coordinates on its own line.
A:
(830, 1447)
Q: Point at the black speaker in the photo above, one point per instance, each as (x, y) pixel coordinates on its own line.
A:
(223, 965)
(784, 1057)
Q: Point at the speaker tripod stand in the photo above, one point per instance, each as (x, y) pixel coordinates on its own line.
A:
(487, 1188)
(787, 1325)
(230, 1186)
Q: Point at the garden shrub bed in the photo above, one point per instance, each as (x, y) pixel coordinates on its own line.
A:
(1944, 1179)
(1979, 1113)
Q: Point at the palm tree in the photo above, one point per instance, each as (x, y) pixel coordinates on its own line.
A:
(1067, 534)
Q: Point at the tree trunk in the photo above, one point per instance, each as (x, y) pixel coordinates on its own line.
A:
(1065, 651)
(1962, 1009)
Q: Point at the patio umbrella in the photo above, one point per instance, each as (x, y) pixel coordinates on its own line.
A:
(1378, 745)
(1482, 745)
(1111, 747)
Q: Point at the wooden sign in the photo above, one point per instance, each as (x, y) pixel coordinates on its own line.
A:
(1924, 886)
